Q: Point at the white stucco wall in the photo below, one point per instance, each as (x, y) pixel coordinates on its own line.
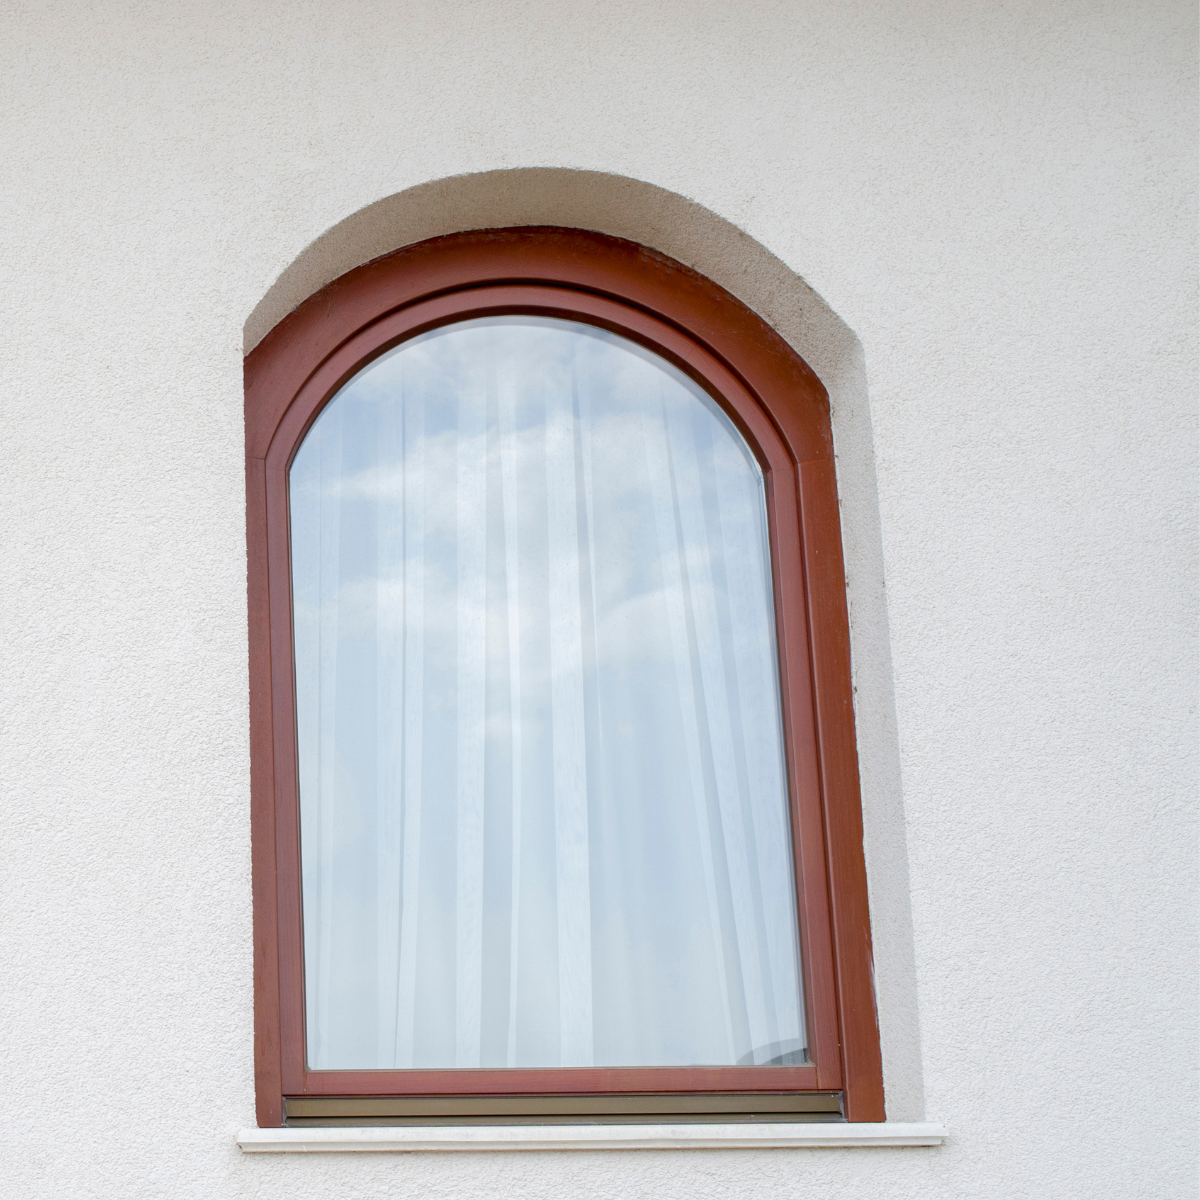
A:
(996, 201)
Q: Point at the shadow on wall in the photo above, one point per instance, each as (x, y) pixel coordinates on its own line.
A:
(682, 229)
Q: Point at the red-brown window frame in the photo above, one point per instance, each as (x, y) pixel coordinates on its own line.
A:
(782, 410)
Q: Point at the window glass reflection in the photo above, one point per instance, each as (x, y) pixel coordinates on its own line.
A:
(543, 809)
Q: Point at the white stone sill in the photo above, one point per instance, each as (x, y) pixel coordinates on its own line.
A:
(412, 1138)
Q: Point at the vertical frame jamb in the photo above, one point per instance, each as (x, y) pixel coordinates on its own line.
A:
(825, 586)
(268, 1083)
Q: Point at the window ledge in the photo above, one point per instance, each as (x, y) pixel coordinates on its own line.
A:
(588, 1137)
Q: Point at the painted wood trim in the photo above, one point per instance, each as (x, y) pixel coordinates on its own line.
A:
(782, 409)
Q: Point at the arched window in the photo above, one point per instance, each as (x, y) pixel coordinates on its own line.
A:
(555, 795)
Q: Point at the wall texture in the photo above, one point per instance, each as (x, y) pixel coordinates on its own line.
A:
(996, 201)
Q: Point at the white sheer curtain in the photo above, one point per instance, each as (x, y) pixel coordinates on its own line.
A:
(543, 809)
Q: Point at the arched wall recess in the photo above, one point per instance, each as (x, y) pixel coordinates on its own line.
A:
(691, 234)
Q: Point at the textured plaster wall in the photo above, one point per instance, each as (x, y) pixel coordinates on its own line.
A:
(996, 201)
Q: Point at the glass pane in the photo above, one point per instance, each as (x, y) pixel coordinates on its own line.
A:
(543, 810)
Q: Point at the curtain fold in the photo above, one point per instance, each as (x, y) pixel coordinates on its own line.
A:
(543, 805)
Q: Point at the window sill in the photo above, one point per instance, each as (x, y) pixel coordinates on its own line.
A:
(588, 1137)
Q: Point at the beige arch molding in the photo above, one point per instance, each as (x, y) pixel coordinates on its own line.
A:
(612, 204)
(706, 242)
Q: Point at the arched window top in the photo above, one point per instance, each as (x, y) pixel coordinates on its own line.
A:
(555, 787)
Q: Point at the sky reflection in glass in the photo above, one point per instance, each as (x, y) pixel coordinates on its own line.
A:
(543, 810)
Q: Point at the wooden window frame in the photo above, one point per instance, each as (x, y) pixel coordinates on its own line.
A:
(782, 410)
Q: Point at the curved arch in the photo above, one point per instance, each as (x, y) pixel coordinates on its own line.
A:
(593, 200)
(716, 248)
